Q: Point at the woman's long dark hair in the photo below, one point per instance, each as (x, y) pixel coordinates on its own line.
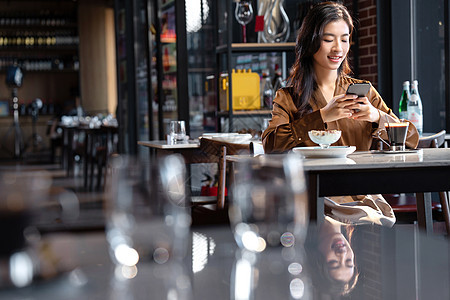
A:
(302, 77)
(323, 283)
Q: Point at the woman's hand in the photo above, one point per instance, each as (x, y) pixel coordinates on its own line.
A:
(363, 110)
(338, 108)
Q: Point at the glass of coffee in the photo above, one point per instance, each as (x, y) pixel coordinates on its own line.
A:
(397, 135)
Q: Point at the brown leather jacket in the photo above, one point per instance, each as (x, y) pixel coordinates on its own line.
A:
(287, 129)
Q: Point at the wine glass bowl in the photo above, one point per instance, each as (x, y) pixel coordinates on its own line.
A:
(324, 138)
(269, 205)
(243, 14)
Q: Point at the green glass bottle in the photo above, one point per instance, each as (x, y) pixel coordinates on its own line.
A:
(403, 105)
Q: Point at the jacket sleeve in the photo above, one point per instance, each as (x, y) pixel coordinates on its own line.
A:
(286, 130)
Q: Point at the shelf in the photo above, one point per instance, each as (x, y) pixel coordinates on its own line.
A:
(246, 113)
(60, 48)
(257, 47)
(51, 71)
(201, 70)
(39, 27)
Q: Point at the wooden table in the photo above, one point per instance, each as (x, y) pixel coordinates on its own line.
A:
(91, 135)
(189, 150)
(374, 173)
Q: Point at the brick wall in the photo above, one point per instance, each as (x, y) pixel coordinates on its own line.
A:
(367, 38)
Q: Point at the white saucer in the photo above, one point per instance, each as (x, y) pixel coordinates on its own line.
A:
(317, 152)
(406, 151)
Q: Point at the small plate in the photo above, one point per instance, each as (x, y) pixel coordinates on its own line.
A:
(235, 138)
(317, 152)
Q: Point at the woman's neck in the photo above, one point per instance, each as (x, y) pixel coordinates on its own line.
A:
(326, 78)
(326, 82)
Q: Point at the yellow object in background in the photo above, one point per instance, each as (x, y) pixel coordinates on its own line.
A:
(246, 90)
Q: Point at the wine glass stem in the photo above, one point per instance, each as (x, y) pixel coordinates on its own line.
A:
(244, 34)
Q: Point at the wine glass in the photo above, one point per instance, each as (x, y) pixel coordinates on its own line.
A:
(269, 206)
(147, 217)
(244, 14)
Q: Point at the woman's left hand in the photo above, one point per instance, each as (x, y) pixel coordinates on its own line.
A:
(363, 110)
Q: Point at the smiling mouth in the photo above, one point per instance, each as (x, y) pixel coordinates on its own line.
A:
(338, 245)
(335, 58)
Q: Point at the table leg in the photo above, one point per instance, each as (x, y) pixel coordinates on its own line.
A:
(316, 203)
(86, 159)
(69, 152)
(424, 213)
(445, 210)
(64, 154)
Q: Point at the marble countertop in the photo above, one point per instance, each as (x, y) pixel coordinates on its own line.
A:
(424, 158)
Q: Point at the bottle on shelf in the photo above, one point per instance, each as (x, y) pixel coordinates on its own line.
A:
(267, 92)
(403, 105)
(414, 107)
(278, 81)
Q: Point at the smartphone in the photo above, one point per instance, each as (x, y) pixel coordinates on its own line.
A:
(361, 89)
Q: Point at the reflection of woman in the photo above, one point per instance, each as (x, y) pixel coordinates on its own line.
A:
(332, 259)
(315, 99)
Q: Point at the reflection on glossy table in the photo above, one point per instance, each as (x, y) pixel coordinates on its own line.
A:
(425, 171)
(399, 263)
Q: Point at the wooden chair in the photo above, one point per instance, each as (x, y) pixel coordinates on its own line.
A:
(404, 204)
(216, 152)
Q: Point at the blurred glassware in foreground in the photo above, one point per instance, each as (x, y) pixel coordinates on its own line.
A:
(269, 217)
(148, 220)
(21, 193)
(269, 206)
(287, 275)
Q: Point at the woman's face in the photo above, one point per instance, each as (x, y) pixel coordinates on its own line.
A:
(334, 46)
(339, 257)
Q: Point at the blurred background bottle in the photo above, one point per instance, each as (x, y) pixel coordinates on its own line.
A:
(267, 90)
(278, 81)
(404, 99)
(414, 107)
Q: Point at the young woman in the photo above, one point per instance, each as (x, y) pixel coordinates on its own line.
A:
(316, 99)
